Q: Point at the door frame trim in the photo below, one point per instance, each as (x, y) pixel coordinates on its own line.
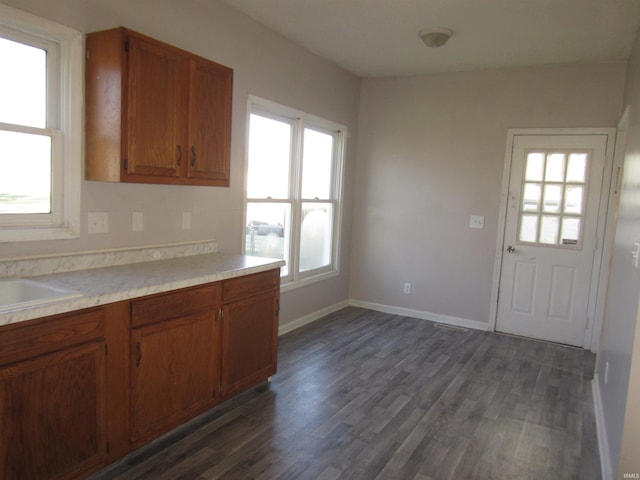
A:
(591, 335)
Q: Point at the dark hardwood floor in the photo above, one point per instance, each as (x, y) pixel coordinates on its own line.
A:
(367, 395)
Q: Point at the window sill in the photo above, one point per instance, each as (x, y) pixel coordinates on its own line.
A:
(303, 282)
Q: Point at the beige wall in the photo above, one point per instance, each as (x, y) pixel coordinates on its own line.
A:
(265, 64)
(431, 153)
(619, 347)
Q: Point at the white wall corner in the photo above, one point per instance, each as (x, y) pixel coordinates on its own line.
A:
(311, 317)
(603, 443)
(433, 317)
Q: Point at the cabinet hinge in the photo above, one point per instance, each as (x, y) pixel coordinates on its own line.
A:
(126, 46)
(221, 314)
(126, 164)
(278, 306)
(220, 388)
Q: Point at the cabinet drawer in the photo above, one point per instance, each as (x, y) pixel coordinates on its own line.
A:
(30, 339)
(250, 284)
(175, 304)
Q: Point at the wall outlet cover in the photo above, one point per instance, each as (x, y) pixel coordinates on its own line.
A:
(98, 222)
(476, 221)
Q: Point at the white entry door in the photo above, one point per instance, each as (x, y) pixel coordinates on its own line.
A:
(550, 236)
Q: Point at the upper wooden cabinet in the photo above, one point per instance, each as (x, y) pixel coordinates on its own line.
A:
(155, 113)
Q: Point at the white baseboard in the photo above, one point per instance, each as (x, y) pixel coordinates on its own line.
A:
(312, 317)
(603, 443)
(434, 317)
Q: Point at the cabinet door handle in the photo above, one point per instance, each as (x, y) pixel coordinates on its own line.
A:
(179, 149)
(193, 155)
(138, 353)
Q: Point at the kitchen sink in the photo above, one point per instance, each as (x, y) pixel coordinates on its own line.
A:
(21, 292)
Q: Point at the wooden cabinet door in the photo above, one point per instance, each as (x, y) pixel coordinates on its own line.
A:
(249, 341)
(209, 122)
(156, 117)
(175, 373)
(52, 414)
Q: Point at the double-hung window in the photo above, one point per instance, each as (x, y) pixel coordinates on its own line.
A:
(294, 190)
(40, 128)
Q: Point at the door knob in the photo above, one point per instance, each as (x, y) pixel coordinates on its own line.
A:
(510, 249)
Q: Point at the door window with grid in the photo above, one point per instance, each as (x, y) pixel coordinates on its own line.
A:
(294, 188)
(553, 198)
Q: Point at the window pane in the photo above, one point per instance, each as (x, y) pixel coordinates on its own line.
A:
(529, 228)
(531, 201)
(577, 167)
(549, 230)
(268, 231)
(555, 167)
(552, 194)
(315, 235)
(23, 84)
(573, 200)
(269, 156)
(535, 167)
(570, 231)
(25, 183)
(316, 165)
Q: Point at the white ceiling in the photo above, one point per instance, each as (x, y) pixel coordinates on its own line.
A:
(374, 38)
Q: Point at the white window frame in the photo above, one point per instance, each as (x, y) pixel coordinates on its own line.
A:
(64, 126)
(299, 121)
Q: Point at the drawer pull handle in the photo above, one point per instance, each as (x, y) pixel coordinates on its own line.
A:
(193, 155)
(179, 148)
(138, 353)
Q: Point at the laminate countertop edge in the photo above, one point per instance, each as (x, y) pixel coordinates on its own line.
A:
(100, 286)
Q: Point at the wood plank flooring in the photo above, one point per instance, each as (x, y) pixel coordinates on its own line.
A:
(368, 395)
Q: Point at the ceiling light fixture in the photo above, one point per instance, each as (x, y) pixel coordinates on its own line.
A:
(435, 37)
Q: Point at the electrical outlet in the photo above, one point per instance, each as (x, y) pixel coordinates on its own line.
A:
(407, 288)
(98, 222)
(476, 221)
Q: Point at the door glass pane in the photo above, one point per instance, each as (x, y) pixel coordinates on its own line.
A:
(316, 165)
(528, 228)
(552, 194)
(23, 84)
(576, 170)
(269, 158)
(268, 231)
(552, 210)
(535, 167)
(570, 231)
(555, 167)
(25, 182)
(549, 230)
(531, 197)
(573, 200)
(315, 235)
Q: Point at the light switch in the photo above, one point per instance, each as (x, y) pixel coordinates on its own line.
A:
(137, 221)
(476, 221)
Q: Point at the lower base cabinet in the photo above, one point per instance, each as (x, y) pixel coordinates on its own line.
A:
(52, 407)
(175, 373)
(249, 336)
(80, 390)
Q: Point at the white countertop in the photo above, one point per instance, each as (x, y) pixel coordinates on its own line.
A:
(104, 285)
